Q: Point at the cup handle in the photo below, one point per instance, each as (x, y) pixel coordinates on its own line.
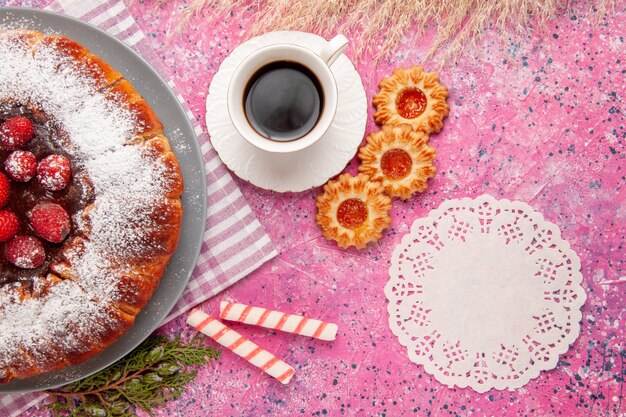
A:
(333, 49)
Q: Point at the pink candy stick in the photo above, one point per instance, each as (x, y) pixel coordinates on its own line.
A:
(241, 346)
(278, 320)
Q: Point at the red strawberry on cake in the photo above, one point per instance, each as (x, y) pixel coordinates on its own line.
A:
(25, 252)
(54, 172)
(9, 225)
(16, 132)
(50, 221)
(21, 166)
(5, 190)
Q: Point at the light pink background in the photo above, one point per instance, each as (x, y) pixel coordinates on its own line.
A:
(539, 119)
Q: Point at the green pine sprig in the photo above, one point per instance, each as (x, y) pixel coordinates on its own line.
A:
(152, 374)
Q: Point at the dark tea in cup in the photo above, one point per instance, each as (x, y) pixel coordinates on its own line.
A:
(283, 97)
(283, 101)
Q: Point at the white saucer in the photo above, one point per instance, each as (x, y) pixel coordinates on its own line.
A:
(297, 171)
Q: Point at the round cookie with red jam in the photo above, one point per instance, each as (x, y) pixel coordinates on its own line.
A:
(400, 158)
(414, 97)
(353, 211)
(91, 208)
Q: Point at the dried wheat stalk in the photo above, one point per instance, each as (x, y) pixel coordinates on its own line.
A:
(457, 22)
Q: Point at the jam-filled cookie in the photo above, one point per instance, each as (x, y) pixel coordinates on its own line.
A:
(353, 211)
(400, 158)
(414, 97)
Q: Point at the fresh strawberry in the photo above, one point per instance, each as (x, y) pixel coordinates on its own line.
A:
(25, 252)
(5, 190)
(9, 225)
(50, 221)
(54, 172)
(16, 132)
(21, 166)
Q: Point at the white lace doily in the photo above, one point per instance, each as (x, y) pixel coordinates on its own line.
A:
(485, 293)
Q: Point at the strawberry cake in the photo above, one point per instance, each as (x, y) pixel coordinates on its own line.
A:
(90, 203)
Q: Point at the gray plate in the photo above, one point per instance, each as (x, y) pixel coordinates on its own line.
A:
(185, 145)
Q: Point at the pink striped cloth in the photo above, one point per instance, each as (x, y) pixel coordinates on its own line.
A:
(234, 244)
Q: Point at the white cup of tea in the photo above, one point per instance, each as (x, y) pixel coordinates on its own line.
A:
(283, 97)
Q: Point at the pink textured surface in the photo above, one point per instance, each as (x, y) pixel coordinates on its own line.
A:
(540, 120)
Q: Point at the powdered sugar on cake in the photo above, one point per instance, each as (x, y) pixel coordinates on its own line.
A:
(127, 183)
